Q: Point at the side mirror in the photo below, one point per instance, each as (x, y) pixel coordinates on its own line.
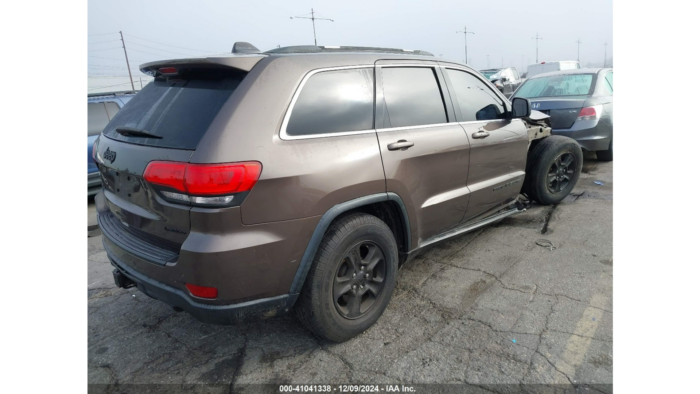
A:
(521, 107)
(504, 79)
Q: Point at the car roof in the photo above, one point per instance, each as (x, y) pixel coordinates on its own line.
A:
(571, 72)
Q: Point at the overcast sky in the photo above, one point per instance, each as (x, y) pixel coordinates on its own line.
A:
(503, 29)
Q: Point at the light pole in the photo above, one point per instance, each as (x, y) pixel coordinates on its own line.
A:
(578, 50)
(313, 21)
(537, 39)
(605, 57)
(466, 58)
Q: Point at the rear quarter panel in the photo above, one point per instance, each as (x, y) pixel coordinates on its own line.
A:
(300, 178)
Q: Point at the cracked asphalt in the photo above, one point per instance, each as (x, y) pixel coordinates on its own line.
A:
(491, 308)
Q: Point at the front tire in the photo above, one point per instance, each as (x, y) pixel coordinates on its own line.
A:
(606, 155)
(555, 169)
(351, 279)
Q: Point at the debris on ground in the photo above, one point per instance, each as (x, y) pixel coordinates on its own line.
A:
(545, 243)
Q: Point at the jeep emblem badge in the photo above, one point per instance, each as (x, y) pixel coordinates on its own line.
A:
(110, 155)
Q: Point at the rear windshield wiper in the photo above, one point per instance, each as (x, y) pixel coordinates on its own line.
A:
(130, 131)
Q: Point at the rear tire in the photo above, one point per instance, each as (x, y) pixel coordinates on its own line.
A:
(553, 169)
(606, 155)
(351, 279)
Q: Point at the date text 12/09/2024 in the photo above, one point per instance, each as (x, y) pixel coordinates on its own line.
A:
(346, 388)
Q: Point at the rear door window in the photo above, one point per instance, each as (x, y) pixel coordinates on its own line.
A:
(333, 102)
(178, 110)
(97, 118)
(609, 82)
(413, 96)
(476, 100)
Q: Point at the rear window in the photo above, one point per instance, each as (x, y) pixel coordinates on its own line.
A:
(178, 110)
(556, 85)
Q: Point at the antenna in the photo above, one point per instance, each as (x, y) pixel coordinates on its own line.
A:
(313, 21)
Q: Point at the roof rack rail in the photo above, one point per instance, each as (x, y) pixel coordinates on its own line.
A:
(112, 93)
(336, 49)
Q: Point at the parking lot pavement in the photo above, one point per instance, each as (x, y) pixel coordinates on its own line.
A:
(485, 308)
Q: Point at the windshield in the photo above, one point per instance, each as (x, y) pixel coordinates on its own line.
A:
(556, 85)
(489, 73)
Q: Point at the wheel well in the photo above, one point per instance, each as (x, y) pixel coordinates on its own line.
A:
(390, 213)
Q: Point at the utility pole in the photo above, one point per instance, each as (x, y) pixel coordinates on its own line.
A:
(578, 50)
(501, 62)
(605, 57)
(141, 82)
(537, 39)
(522, 64)
(313, 21)
(466, 58)
(127, 62)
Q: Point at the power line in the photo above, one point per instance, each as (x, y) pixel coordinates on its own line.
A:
(162, 43)
(103, 34)
(102, 42)
(158, 49)
(109, 86)
(106, 66)
(107, 58)
(150, 53)
(313, 21)
(105, 49)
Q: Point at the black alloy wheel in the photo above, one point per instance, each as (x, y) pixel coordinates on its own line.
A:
(561, 172)
(359, 280)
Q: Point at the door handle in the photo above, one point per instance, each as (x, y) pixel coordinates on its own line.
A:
(400, 144)
(481, 134)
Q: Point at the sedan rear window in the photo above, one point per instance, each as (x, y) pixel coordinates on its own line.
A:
(179, 111)
(557, 85)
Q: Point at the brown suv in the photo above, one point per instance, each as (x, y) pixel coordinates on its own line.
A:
(247, 185)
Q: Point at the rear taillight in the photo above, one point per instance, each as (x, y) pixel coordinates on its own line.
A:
(203, 184)
(202, 291)
(589, 113)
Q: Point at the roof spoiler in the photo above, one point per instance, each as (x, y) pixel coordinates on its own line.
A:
(242, 62)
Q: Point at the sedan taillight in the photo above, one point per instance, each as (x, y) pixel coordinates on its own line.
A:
(203, 184)
(590, 113)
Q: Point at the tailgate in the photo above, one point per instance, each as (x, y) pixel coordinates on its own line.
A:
(164, 122)
(132, 201)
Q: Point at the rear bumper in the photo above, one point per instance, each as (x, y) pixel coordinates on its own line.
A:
(251, 266)
(94, 183)
(214, 314)
(593, 138)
